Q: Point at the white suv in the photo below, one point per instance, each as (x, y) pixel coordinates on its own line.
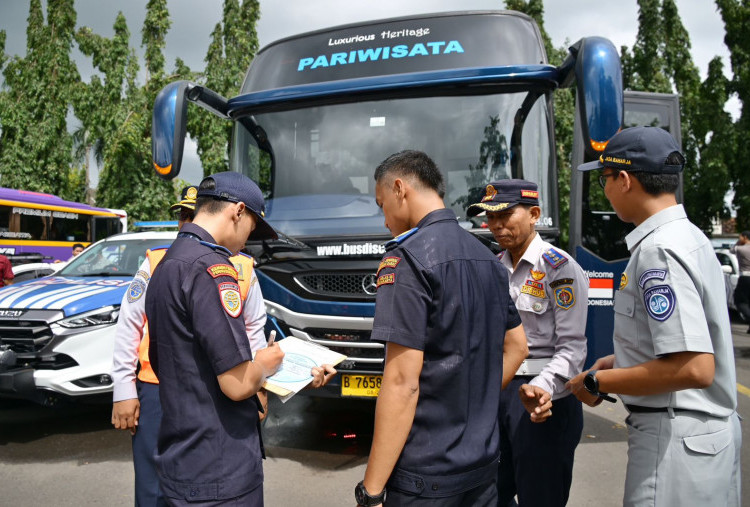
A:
(57, 332)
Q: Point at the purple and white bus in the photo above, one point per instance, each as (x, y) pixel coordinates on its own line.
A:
(38, 227)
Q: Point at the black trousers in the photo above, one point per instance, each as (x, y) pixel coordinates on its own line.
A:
(742, 297)
(484, 495)
(147, 490)
(530, 450)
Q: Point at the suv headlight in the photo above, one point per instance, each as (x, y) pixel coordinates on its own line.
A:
(98, 317)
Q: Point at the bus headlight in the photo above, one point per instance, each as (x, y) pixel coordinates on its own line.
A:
(98, 317)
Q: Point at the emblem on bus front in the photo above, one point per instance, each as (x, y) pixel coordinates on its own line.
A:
(370, 284)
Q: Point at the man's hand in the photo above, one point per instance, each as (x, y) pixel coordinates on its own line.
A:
(263, 397)
(322, 375)
(604, 363)
(537, 402)
(125, 414)
(576, 387)
(269, 359)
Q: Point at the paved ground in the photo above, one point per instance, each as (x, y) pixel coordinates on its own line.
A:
(317, 452)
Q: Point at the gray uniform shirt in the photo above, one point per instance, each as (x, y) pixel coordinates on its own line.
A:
(671, 299)
(743, 257)
(550, 291)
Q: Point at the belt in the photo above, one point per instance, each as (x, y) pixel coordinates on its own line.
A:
(638, 409)
(532, 367)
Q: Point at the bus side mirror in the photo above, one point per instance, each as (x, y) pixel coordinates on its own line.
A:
(168, 128)
(600, 95)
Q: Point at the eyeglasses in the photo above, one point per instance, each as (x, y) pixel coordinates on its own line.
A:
(603, 178)
(183, 214)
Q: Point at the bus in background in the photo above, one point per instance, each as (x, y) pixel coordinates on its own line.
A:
(319, 111)
(36, 227)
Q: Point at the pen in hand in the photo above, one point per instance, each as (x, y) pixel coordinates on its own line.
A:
(271, 337)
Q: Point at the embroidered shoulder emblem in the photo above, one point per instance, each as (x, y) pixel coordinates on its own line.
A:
(136, 290)
(389, 262)
(652, 274)
(229, 293)
(660, 302)
(388, 279)
(218, 270)
(554, 258)
(565, 298)
(561, 281)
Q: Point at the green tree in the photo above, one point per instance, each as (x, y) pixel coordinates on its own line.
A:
(234, 43)
(116, 115)
(736, 16)
(564, 107)
(35, 146)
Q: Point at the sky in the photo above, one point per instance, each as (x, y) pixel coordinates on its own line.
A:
(193, 21)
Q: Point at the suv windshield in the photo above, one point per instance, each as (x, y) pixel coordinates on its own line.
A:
(115, 257)
(319, 179)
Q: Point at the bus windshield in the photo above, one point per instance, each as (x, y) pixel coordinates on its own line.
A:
(317, 171)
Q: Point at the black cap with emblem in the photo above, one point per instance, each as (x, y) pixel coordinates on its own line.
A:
(504, 194)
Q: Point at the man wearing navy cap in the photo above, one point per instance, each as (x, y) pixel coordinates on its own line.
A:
(209, 450)
(673, 365)
(550, 291)
(452, 335)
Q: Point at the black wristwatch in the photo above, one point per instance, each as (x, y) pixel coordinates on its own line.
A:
(365, 499)
(591, 384)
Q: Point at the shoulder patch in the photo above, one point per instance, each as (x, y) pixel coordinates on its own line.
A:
(143, 274)
(561, 281)
(554, 258)
(400, 238)
(136, 290)
(651, 274)
(229, 293)
(389, 262)
(388, 279)
(565, 297)
(218, 270)
(660, 302)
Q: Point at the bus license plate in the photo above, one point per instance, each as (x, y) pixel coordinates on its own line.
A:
(360, 385)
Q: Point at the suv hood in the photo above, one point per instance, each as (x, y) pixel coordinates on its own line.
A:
(72, 295)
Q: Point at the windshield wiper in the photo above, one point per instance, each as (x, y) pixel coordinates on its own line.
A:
(285, 246)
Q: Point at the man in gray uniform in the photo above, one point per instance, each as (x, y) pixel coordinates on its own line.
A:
(673, 365)
(742, 291)
(550, 291)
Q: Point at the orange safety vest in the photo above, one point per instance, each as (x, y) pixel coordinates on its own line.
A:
(244, 266)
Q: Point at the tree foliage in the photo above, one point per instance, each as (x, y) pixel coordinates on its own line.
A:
(234, 43)
(736, 16)
(35, 146)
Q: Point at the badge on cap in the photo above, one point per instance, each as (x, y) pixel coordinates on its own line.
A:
(660, 302)
(230, 298)
(532, 194)
(491, 193)
(191, 193)
(565, 298)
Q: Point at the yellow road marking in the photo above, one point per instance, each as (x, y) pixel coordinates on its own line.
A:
(742, 389)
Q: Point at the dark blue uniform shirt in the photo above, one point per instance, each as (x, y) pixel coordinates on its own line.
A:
(440, 290)
(209, 446)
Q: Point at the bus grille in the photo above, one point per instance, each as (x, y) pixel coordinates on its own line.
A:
(338, 284)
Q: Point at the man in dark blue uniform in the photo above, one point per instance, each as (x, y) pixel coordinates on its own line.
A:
(209, 450)
(452, 336)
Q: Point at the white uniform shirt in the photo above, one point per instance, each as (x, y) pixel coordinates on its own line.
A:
(129, 329)
(671, 299)
(553, 304)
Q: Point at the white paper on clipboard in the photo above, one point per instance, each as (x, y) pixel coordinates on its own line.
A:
(300, 357)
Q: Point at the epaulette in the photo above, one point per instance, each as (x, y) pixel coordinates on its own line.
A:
(554, 258)
(400, 238)
(245, 255)
(216, 247)
(161, 247)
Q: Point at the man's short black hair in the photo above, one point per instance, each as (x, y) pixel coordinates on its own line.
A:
(660, 183)
(746, 234)
(78, 245)
(209, 205)
(416, 164)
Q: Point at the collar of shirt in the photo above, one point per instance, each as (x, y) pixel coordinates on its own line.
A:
(531, 255)
(664, 216)
(439, 215)
(197, 231)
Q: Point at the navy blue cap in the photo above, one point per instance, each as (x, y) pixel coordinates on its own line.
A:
(504, 194)
(642, 149)
(236, 187)
(187, 199)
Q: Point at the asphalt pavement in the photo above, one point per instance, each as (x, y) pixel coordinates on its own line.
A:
(317, 451)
